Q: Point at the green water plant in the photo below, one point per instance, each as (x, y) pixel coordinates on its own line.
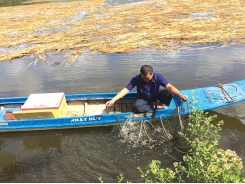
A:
(204, 162)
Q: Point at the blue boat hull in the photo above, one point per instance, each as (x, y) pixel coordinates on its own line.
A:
(207, 97)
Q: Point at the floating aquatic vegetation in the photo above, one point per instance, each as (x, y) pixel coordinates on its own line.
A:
(92, 25)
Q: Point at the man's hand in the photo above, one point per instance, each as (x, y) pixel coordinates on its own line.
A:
(175, 91)
(109, 103)
(183, 97)
(119, 95)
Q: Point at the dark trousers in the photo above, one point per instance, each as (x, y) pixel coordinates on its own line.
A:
(141, 105)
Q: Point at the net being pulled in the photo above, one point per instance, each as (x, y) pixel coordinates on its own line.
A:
(155, 131)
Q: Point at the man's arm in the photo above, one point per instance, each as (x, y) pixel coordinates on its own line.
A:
(119, 95)
(175, 91)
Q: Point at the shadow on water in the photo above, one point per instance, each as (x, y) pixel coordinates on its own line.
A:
(25, 151)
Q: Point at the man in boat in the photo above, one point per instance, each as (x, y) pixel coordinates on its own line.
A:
(148, 90)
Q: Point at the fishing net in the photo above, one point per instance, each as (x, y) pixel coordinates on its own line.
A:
(155, 131)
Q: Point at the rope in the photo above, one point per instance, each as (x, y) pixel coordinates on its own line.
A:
(226, 94)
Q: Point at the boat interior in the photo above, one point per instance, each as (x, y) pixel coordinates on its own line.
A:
(84, 108)
(69, 109)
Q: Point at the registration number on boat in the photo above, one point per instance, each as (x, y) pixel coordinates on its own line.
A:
(4, 124)
(95, 118)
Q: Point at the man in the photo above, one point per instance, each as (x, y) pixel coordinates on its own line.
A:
(148, 90)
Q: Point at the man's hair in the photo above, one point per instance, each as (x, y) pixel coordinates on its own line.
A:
(145, 69)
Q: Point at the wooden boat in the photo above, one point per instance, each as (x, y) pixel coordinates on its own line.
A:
(58, 110)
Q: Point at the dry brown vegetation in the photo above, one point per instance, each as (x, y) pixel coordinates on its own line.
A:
(92, 26)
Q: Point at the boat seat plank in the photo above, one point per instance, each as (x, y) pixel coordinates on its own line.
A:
(96, 109)
(75, 108)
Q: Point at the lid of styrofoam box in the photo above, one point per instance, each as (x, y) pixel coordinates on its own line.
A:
(43, 101)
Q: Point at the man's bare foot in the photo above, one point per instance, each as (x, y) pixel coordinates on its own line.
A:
(160, 106)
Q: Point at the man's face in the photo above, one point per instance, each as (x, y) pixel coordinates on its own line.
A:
(147, 78)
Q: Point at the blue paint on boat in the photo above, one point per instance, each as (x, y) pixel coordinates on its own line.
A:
(207, 97)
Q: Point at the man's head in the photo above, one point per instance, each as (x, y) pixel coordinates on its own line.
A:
(146, 72)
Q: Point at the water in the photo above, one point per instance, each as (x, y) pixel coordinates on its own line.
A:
(84, 155)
